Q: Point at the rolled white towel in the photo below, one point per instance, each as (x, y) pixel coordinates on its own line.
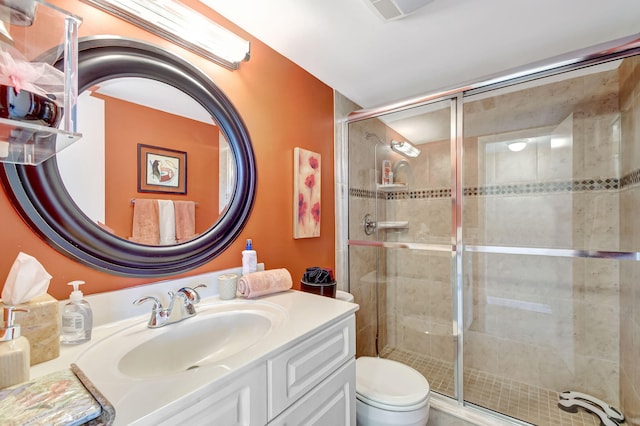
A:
(260, 283)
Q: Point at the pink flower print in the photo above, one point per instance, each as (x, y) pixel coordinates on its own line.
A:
(313, 162)
(302, 207)
(315, 212)
(310, 181)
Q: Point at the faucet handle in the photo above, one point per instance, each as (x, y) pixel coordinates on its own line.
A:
(156, 303)
(159, 315)
(195, 290)
(192, 294)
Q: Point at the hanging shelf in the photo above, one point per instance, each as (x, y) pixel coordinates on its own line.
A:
(37, 33)
(391, 187)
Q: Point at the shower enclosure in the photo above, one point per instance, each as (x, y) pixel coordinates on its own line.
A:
(502, 261)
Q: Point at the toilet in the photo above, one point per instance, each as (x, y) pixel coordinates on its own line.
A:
(388, 393)
(343, 295)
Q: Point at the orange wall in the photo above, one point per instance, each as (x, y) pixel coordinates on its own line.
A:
(282, 106)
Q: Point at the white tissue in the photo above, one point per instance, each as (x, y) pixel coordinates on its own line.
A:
(27, 279)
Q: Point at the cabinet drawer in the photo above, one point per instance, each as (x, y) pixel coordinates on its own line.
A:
(296, 371)
(331, 403)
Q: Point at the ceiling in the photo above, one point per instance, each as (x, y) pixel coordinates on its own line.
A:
(442, 44)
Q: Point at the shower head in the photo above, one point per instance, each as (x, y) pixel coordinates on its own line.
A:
(369, 135)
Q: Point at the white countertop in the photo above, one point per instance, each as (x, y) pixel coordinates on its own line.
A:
(139, 400)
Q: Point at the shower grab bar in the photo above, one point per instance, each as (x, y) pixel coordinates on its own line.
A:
(571, 406)
(611, 412)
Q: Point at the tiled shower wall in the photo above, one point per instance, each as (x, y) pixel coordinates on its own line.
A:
(366, 264)
(558, 322)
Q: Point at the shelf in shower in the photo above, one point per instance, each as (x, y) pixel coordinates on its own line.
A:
(394, 224)
(391, 187)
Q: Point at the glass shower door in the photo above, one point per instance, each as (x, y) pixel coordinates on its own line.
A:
(541, 219)
(400, 240)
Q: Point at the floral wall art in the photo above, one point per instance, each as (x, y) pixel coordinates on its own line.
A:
(306, 192)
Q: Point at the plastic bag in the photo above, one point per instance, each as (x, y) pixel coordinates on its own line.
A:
(35, 77)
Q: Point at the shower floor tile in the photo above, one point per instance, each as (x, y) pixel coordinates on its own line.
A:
(515, 399)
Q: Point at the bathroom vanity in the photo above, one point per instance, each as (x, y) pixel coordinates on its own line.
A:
(287, 358)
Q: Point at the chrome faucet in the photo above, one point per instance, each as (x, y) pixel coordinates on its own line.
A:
(186, 298)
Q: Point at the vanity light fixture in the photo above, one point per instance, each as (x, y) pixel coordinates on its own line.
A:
(517, 146)
(405, 148)
(183, 26)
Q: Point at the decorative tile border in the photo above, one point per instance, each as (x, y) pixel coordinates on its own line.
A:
(630, 179)
(585, 185)
(365, 193)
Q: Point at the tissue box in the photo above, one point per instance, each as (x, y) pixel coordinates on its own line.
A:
(41, 326)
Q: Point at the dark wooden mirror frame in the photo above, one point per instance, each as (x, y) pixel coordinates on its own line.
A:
(39, 195)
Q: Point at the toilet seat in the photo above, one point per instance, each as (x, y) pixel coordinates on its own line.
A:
(390, 385)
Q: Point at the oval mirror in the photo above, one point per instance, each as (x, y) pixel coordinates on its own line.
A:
(219, 173)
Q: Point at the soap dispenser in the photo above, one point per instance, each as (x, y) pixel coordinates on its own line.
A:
(15, 356)
(77, 318)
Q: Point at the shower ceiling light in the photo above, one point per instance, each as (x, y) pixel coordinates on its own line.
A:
(182, 25)
(405, 148)
(517, 146)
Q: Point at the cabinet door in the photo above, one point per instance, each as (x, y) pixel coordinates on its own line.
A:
(331, 403)
(239, 401)
(297, 370)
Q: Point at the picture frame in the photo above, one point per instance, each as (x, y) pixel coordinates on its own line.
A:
(306, 193)
(161, 170)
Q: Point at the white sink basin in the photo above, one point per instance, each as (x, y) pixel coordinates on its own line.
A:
(211, 338)
(195, 342)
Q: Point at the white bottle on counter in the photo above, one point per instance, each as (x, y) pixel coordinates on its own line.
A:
(15, 355)
(249, 259)
(77, 318)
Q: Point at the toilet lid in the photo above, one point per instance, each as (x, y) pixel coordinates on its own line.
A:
(343, 295)
(390, 383)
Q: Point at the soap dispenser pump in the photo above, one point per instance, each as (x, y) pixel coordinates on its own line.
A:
(15, 355)
(77, 317)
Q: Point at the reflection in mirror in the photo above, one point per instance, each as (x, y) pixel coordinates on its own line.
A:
(101, 173)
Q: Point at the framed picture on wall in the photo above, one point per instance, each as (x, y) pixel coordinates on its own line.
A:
(306, 193)
(161, 170)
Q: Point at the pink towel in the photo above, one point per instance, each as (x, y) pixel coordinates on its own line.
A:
(185, 212)
(146, 228)
(260, 283)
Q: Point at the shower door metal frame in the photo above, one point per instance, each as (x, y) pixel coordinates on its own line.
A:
(605, 52)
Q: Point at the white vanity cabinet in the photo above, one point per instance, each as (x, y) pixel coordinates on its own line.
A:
(313, 382)
(309, 383)
(240, 400)
(301, 372)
